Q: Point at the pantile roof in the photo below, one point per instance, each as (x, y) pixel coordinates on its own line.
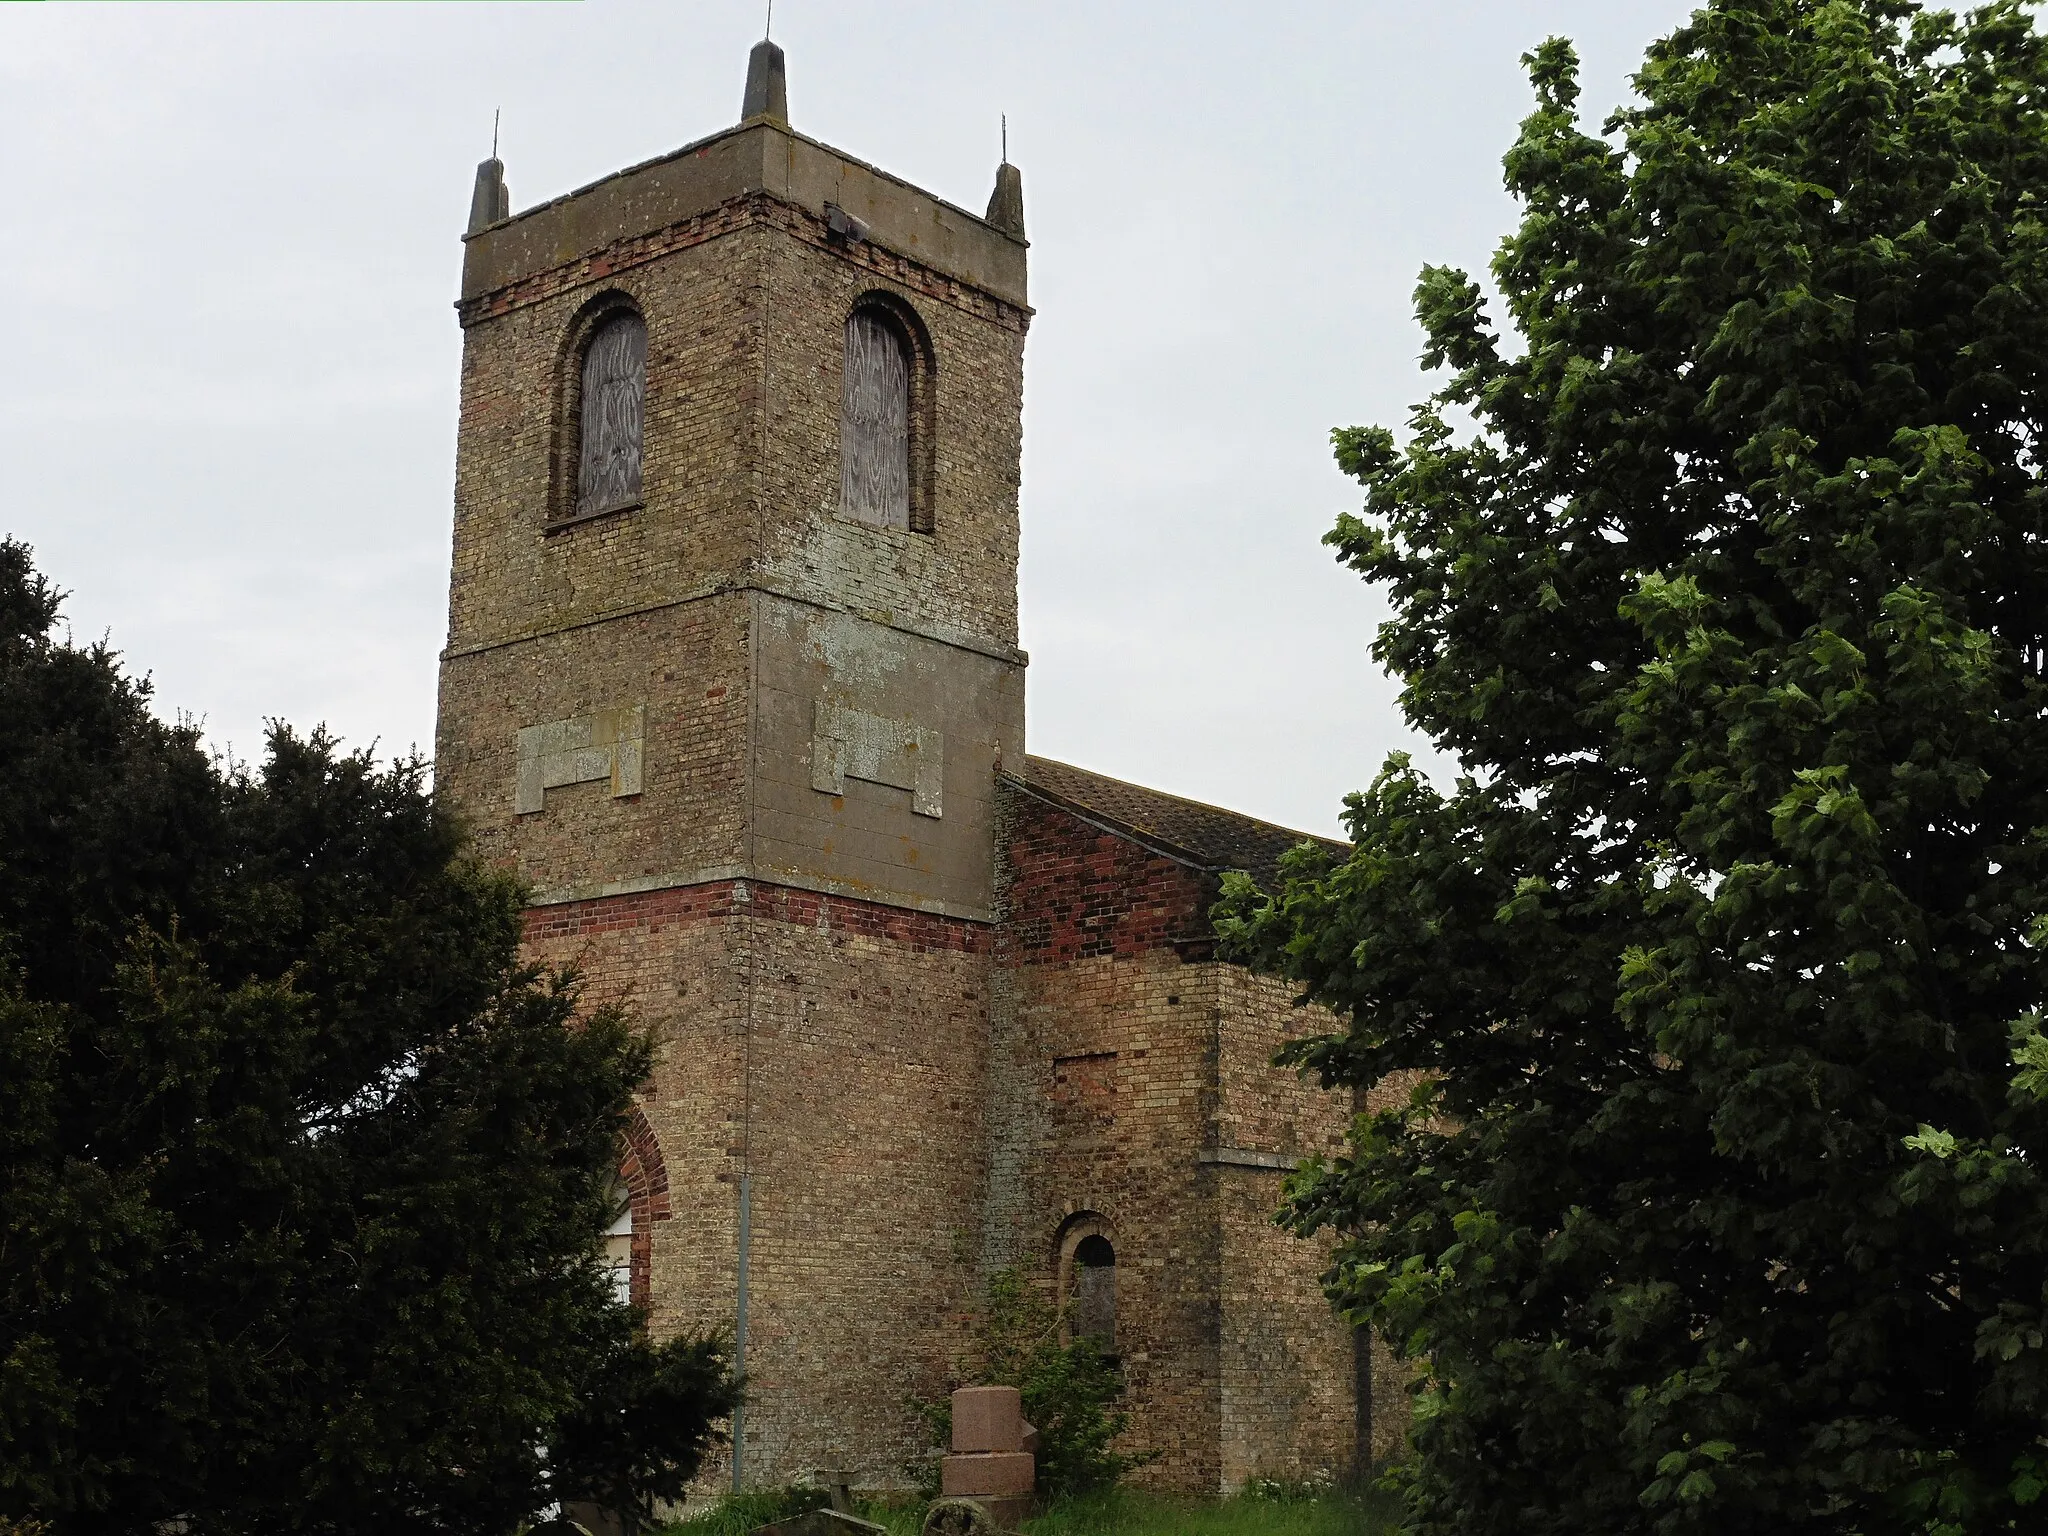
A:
(1204, 835)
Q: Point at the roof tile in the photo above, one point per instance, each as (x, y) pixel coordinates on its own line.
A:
(1206, 835)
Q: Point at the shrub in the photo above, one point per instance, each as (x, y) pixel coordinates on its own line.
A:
(1070, 1390)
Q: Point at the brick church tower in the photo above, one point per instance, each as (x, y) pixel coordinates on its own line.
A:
(732, 681)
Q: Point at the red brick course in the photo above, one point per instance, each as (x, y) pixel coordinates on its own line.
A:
(689, 905)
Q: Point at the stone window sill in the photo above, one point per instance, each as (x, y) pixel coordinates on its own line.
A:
(577, 520)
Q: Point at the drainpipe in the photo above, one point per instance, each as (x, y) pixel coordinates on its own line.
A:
(739, 1333)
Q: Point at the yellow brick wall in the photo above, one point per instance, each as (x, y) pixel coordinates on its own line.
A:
(1132, 1079)
(834, 1051)
(1287, 1364)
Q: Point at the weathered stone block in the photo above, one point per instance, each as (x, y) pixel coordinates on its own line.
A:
(990, 1474)
(987, 1419)
(850, 743)
(606, 745)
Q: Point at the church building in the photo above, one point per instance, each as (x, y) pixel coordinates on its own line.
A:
(732, 682)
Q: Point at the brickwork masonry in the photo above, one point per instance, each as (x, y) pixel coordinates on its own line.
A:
(1131, 1089)
(930, 1033)
(829, 1048)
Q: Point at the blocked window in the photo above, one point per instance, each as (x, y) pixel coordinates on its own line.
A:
(1095, 1290)
(874, 421)
(613, 407)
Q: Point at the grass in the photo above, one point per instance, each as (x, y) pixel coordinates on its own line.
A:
(736, 1516)
(1125, 1512)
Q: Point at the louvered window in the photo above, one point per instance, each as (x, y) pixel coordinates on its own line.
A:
(874, 423)
(614, 394)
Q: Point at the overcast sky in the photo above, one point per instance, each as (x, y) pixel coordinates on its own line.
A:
(227, 420)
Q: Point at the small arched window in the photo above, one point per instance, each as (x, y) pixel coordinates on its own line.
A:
(613, 398)
(874, 421)
(1095, 1290)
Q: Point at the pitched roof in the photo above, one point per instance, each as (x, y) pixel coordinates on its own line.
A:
(1204, 835)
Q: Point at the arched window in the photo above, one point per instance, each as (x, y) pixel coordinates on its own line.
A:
(618, 1246)
(644, 1178)
(1095, 1290)
(617, 1250)
(875, 420)
(613, 399)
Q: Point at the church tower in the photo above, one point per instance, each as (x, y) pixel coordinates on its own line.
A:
(731, 677)
(732, 683)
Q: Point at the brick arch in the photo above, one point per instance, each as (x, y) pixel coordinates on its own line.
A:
(645, 1176)
(1081, 1223)
(566, 426)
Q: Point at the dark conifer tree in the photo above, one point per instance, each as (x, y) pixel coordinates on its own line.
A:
(302, 1176)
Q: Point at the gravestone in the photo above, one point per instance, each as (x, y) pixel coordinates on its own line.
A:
(990, 1463)
(838, 1486)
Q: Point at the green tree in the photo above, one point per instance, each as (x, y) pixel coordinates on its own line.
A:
(301, 1174)
(1070, 1389)
(1719, 1206)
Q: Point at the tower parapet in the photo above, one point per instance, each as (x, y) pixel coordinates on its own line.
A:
(760, 155)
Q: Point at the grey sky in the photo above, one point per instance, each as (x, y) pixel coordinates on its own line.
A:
(227, 419)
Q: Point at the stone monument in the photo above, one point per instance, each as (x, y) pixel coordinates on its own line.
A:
(993, 1460)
